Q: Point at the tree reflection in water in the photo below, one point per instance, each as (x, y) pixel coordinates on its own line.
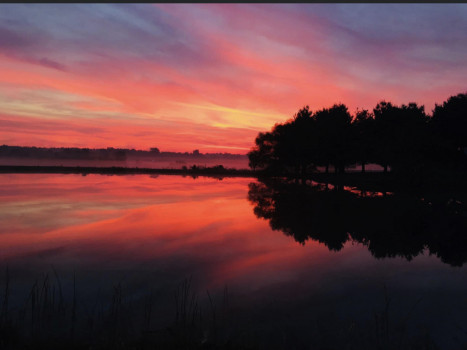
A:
(389, 225)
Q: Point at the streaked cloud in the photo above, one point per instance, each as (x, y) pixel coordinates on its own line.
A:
(214, 73)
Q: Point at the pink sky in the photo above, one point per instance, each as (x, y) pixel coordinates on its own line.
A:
(210, 77)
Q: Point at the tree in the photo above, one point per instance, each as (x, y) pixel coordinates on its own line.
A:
(262, 155)
(362, 137)
(332, 133)
(287, 147)
(384, 113)
(411, 141)
(294, 148)
(449, 127)
(451, 119)
(399, 134)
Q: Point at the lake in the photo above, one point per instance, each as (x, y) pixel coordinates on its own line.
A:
(273, 268)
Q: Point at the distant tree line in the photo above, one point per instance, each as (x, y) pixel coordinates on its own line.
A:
(108, 153)
(403, 138)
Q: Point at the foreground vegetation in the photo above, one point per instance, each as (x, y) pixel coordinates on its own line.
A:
(52, 319)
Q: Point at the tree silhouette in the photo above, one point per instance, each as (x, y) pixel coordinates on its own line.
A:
(263, 154)
(403, 138)
(385, 123)
(449, 127)
(363, 137)
(333, 124)
(287, 147)
(400, 134)
(295, 142)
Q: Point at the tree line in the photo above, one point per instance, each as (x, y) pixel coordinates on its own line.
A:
(109, 153)
(402, 138)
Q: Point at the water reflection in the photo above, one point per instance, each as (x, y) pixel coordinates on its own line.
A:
(389, 225)
(137, 236)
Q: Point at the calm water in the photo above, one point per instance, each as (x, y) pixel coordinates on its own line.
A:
(163, 162)
(150, 233)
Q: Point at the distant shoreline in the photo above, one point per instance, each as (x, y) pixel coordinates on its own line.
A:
(214, 171)
(371, 179)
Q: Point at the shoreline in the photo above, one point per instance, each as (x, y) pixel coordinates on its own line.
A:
(371, 180)
(33, 169)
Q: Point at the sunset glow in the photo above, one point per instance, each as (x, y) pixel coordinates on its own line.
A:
(210, 77)
(136, 219)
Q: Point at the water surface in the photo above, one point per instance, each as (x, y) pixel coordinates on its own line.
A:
(152, 232)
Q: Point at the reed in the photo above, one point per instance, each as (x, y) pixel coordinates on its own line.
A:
(50, 318)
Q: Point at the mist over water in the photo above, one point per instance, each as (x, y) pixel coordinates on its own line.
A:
(157, 163)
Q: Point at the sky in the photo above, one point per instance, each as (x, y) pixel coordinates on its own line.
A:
(211, 76)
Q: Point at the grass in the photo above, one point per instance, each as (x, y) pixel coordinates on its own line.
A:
(46, 319)
(49, 320)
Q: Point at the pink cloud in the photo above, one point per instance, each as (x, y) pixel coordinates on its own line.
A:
(190, 76)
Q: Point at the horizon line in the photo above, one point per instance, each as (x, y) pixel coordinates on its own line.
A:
(119, 148)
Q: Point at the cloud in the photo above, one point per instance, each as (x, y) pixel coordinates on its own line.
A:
(10, 40)
(51, 64)
(235, 67)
